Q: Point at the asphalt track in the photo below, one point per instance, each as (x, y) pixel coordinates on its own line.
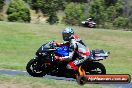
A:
(17, 72)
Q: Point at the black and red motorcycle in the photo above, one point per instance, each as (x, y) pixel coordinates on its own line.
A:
(45, 64)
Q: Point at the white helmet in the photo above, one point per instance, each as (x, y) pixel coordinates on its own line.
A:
(67, 33)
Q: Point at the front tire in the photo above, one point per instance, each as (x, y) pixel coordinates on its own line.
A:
(35, 69)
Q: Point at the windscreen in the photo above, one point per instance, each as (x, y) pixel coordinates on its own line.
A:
(45, 47)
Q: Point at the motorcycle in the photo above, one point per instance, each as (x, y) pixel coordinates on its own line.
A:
(90, 24)
(44, 62)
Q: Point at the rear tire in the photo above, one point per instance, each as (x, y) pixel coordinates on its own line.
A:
(81, 80)
(95, 68)
(34, 70)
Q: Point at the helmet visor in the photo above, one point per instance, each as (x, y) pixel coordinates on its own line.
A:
(65, 36)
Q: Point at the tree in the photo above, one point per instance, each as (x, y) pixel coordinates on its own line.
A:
(18, 11)
(1, 4)
(1, 7)
(121, 22)
(110, 2)
(115, 10)
(79, 1)
(106, 11)
(74, 14)
(53, 18)
(127, 10)
(48, 7)
(97, 11)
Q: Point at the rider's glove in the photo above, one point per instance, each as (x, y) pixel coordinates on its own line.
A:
(59, 58)
(56, 44)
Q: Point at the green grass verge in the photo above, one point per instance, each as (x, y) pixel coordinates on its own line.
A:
(19, 42)
(7, 81)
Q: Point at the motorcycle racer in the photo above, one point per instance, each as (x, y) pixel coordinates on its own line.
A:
(69, 59)
(75, 45)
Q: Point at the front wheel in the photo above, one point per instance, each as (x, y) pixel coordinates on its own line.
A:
(35, 69)
(95, 68)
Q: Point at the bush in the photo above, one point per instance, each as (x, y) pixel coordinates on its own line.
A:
(105, 11)
(74, 14)
(130, 22)
(18, 11)
(97, 11)
(1, 7)
(1, 4)
(53, 19)
(1, 17)
(121, 22)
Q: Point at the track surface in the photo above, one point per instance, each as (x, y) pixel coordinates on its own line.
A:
(17, 72)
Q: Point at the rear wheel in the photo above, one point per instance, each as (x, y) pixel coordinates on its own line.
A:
(81, 80)
(35, 69)
(95, 68)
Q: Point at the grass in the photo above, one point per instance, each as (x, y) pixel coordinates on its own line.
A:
(19, 42)
(7, 81)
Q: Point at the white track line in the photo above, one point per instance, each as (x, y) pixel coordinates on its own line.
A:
(13, 70)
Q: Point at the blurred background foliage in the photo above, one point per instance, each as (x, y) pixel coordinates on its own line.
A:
(106, 13)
